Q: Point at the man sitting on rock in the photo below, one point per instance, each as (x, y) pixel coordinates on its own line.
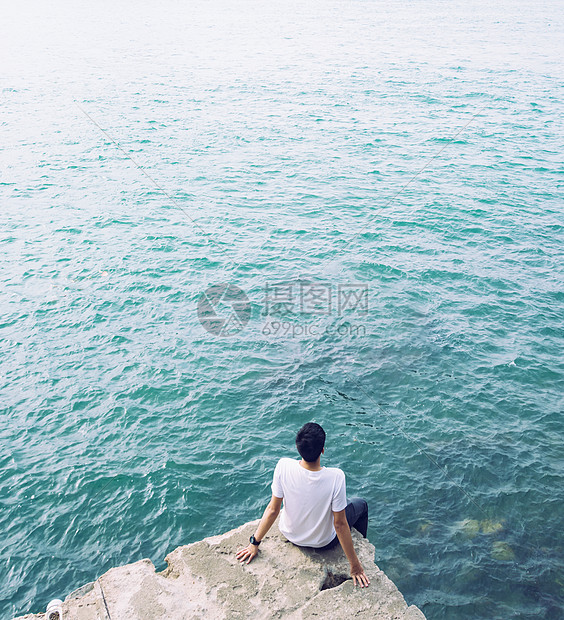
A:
(316, 513)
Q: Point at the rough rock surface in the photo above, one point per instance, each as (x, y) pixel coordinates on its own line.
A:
(204, 580)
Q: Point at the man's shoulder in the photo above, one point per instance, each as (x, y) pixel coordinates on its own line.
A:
(286, 461)
(335, 472)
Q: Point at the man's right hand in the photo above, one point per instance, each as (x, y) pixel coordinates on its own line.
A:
(359, 576)
(344, 535)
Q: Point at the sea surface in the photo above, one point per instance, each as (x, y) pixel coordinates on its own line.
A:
(374, 192)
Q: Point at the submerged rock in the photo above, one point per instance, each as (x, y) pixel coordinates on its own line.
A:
(424, 527)
(490, 527)
(204, 580)
(469, 527)
(472, 527)
(502, 551)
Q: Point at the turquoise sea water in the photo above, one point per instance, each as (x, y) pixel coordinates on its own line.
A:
(283, 134)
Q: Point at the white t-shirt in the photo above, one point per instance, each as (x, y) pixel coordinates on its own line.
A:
(310, 497)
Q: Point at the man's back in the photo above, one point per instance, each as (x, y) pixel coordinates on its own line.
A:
(310, 498)
(316, 512)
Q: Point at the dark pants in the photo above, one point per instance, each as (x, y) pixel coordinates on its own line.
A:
(357, 517)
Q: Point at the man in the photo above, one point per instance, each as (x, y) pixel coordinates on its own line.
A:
(316, 513)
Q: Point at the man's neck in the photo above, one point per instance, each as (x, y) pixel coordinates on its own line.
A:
(315, 466)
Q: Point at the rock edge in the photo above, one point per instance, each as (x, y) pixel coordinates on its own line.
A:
(204, 580)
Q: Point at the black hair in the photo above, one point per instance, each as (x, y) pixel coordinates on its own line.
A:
(310, 440)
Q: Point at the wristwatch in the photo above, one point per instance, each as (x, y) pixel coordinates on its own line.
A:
(254, 541)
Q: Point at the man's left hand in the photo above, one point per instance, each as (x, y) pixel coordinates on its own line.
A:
(247, 553)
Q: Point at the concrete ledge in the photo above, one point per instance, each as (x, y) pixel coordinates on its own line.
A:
(204, 580)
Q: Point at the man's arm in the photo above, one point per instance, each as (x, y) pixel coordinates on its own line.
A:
(268, 518)
(344, 535)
